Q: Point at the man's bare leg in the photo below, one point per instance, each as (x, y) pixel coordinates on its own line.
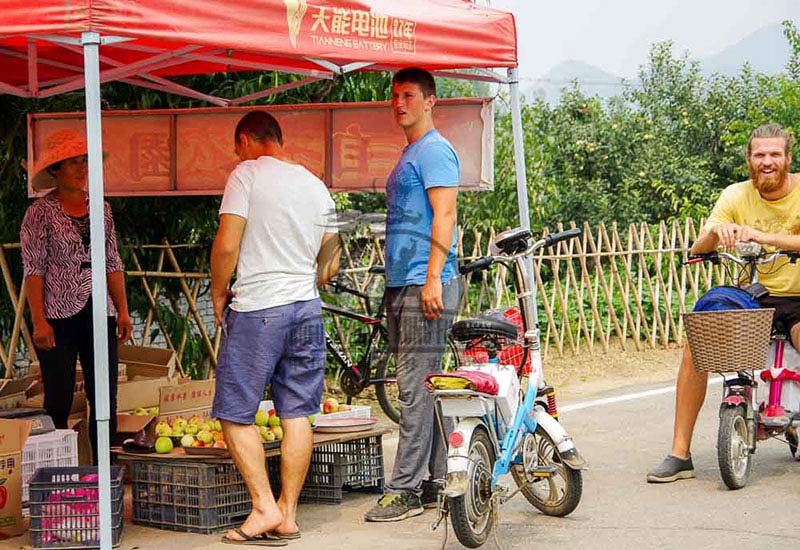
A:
(248, 455)
(690, 393)
(296, 449)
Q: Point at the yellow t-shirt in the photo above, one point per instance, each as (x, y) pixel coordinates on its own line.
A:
(740, 203)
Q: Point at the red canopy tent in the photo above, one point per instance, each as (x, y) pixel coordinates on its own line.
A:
(50, 47)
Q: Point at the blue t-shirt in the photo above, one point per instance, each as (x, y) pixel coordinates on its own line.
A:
(428, 162)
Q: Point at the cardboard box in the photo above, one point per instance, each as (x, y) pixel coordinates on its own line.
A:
(134, 426)
(79, 403)
(13, 391)
(13, 434)
(144, 393)
(147, 362)
(186, 399)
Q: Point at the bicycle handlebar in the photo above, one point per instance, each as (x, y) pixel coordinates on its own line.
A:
(549, 240)
(715, 257)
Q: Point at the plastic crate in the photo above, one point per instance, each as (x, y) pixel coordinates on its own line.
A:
(356, 411)
(64, 510)
(180, 495)
(337, 468)
(54, 449)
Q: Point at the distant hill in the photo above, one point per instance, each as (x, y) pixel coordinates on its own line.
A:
(766, 50)
(592, 81)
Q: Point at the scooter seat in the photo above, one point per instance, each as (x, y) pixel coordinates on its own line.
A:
(470, 329)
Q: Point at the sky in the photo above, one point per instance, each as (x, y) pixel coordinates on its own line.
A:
(616, 35)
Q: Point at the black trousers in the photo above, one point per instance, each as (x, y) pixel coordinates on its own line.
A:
(74, 338)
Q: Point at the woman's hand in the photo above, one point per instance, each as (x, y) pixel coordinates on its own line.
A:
(124, 328)
(43, 336)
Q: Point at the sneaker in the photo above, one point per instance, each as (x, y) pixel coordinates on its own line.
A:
(395, 507)
(430, 494)
(671, 469)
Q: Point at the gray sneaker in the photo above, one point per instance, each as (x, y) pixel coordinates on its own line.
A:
(671, 469)
(395, 507)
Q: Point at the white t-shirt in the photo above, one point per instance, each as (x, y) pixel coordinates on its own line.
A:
(288, 210)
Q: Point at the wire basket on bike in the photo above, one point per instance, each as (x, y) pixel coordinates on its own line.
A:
(729, 341)
(511, 352)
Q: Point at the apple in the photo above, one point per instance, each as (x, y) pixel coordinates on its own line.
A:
(191, 429)
(205, 436)
(177, 432)
(163, 445)
(179, 422)
(187, 440)
(330, 405)
(217, 425)
(162, 428)
(220, 444)
(277, 431)
(274, 421)
(152, 411)
(139, 411)
(204, 427)
(312, 418)
(262, 418)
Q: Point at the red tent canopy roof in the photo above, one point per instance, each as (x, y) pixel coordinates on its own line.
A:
(308, 37)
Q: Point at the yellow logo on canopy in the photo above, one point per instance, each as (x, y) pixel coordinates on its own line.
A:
(295, 10)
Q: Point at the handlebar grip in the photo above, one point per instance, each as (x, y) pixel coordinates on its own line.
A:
(555, 238)
(480, 263)
(706, 256)
(792, 255)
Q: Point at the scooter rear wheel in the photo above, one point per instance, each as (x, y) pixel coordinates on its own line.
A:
(733, 449)
(557, 495)
(472, 514)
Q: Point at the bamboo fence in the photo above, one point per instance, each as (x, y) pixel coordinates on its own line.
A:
(623, 287)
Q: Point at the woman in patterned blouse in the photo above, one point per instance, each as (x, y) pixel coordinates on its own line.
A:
(58, 274)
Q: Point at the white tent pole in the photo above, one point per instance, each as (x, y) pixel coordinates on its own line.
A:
(94, 137)
(524, 212)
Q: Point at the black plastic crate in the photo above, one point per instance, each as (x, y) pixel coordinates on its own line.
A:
(355, 465)
(188, 496)
(64, 510)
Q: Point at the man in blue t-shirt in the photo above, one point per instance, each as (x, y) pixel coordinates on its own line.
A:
(421, 289)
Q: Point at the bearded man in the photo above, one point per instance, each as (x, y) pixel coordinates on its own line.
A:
(765, 210)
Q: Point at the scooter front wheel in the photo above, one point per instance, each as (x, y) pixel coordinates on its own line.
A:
(472, 513)
(733, 449)
(556, 495)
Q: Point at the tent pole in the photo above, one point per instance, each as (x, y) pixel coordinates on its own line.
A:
(91, 67)
(524, 213)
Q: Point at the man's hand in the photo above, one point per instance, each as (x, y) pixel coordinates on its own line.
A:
(124, 328)
(750, 235)
(43, 336)
(727, 234)
(432, 305)
(220, 301)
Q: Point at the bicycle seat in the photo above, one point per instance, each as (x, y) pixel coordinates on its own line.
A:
(513, 241)
(470, 329)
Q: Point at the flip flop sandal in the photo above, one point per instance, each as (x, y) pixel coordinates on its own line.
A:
(260, 540)
(287, 536)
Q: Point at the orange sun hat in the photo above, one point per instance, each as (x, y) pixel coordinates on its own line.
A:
(58, 146)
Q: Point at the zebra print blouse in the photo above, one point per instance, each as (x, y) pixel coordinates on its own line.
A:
(53, 248)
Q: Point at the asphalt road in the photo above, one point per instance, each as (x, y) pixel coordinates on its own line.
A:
(621, 441)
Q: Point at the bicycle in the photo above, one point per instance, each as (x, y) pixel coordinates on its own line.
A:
(761, 345)
(494, 434)
(375, 367)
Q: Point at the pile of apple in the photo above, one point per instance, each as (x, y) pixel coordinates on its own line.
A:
(332, 405)
(268, 425)
(142, 411)
(195, 432)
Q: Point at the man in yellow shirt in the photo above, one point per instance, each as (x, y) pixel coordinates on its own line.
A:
(765, 210)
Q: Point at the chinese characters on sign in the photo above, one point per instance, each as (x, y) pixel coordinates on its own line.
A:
(362, 30)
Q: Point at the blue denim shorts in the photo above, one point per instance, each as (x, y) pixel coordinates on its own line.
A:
(283, 346)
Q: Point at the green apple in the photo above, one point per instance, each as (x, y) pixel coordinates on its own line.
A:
(163, 445)
(262, 418)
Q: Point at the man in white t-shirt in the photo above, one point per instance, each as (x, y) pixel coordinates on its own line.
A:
(277, 229)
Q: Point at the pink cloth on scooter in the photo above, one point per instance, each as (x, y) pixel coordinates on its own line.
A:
(467, 380)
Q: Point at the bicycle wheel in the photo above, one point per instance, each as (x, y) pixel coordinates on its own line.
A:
(472, 513)
(386, 375)
(733, 451)
(557, 495)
